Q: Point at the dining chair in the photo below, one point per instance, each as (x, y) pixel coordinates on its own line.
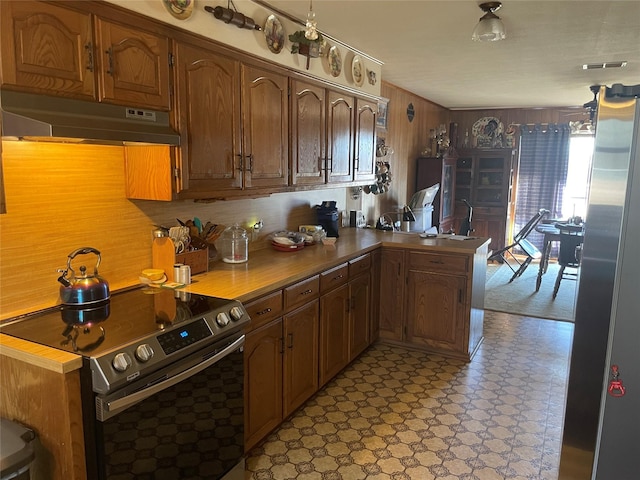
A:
(569, 256)
(527, 249)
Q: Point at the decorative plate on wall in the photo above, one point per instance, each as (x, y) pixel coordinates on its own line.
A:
(357, 70)
(180, 9)
(274, 34)
(335, 61)
(486, 130)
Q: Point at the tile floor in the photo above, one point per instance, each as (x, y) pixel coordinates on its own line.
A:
(398, 414)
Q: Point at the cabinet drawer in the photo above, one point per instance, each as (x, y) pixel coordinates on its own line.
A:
(334, 278)
(301, 292)
(435, 262)
(359, 265)
(265, 309)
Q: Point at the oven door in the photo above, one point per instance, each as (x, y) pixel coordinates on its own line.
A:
(184, 421)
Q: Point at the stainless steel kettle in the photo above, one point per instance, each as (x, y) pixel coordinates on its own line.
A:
(82, 289)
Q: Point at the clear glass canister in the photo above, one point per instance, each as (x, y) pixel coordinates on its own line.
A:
(234, 244)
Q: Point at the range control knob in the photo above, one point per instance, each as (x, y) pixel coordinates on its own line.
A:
(121, 361)
(236, 313)
(144, 352)
(222, 319)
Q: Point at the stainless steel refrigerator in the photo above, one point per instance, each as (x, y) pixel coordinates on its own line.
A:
(601, 437)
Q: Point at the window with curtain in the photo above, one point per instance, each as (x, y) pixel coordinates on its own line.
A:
(542, 173)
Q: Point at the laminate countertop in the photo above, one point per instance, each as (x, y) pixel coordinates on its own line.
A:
(265, 271)
(268, 269)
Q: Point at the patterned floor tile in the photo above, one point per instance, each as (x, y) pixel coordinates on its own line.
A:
(398, 414)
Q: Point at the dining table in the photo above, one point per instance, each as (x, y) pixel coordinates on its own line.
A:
(551, 232)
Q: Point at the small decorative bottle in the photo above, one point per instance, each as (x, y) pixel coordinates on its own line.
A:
(465, 143)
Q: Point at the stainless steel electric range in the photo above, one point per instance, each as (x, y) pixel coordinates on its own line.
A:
(162, 381)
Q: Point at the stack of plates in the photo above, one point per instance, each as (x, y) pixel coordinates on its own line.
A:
(288, 241)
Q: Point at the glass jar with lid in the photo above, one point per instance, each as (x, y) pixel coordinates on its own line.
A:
(234, 245)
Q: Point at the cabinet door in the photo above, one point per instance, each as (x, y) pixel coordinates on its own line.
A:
(435, 310)
(262, 382)
(134, 66)
(492, 172)
(265, 120)
(334, 333)
(374, 323)
(447, 193)
(300, 356)
(359, 303)
(47, 49)
(391, 293)
(208, 90)
(365, 155)
(308, 134)
(340, 134)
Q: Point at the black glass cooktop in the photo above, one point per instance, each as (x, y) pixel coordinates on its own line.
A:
(126, 317)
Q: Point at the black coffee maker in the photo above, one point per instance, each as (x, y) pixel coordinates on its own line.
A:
(328, 218)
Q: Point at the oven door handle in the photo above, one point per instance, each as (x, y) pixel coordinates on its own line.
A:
(169, 382)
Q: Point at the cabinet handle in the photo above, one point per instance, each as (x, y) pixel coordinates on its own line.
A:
(338, 277)
(263, 312)
(320, 164)
(241, 164)
(306, 292)
(357, 163)
(290, 339)
(330, 164)
(281, 344)
(460, 296)
(109, 53)
(89, 48)
(250, 157)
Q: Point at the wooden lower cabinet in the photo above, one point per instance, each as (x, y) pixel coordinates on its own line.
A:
(443, 299)
(262, 382)
(334, 333)
(374, 324)
(300, 356)
(359, 314)
(391, 305)
(301, 337)
(432, 298)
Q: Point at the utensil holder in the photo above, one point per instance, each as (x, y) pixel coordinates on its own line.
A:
(164, 256)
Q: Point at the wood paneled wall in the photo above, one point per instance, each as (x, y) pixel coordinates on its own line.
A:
(63, 196)
(519, 116)
(408, 139)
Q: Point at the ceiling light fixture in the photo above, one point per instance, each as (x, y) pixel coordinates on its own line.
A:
(490, 27)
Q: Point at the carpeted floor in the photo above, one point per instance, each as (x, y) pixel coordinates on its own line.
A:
(520, 297)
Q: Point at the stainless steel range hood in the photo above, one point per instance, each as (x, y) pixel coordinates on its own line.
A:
(33, 116)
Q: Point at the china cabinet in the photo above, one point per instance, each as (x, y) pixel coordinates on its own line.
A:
(484, 178)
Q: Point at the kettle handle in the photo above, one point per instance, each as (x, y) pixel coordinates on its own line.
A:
(83, 251)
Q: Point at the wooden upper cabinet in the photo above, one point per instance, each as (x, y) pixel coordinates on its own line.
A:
(340, 134)
(134, 66)
(208, 108)
(308, 134)
(365, 155)
(47, 49)
(52, 49)
(265, 120)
